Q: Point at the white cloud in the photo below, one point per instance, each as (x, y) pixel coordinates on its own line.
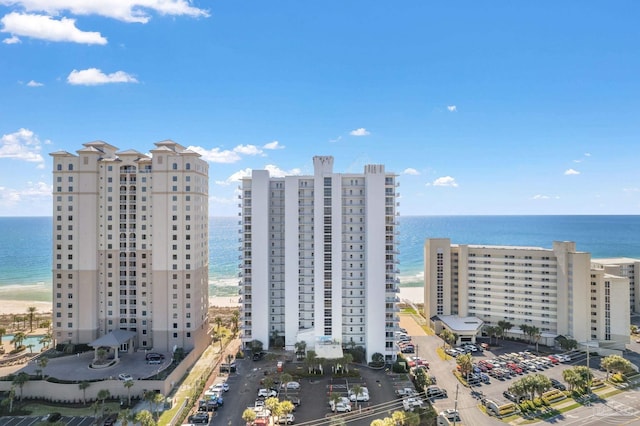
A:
(360, 132)
(275, 171)
(248, 150)
(411, 171)
(94, 77)
(571, 172)
(47, 28)
(544, 197)
(11, 197)
(445, 181)
(587, 154)
(273, 145)
(11, 40)
(338, 139)
(22, 145)
(122, 10)
(34, 83)
(228, 156)
(452, 108)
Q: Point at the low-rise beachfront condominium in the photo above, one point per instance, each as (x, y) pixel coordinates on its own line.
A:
(319, 258)
(130, 245)
(556, 290)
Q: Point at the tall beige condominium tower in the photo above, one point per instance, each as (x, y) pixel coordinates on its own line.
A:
(319, 258)
(130, 245)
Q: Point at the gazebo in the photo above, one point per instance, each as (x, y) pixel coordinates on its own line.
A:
(112, 340)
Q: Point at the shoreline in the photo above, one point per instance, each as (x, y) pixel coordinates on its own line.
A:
(20, 307)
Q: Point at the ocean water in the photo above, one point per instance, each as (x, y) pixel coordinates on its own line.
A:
(25, 245)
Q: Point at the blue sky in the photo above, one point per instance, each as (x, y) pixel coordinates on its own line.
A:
(496, 107)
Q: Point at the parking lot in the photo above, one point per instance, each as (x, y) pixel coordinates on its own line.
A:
(32, 421)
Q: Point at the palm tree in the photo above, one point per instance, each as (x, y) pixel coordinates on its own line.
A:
(411, 418)
(286, 407)
(218, 321)
(46, 340)
(18, 338)
(447, 337)
(465, 362)
(535, 333)
(248, 415)
(3, 331)
(145, 418)
(571, 377)
(284, 379)
(11, 397)
(348, 359)
(83, 387)
(19, 380)
(42, 363)
(155, 399)
(126, 416)
(491, 331)
(310, 359)
(526, 330)
(31, 310)
(273, 405)
(357, 391)
(301, 347)
(103, 394)
(503, 326)
(128, 384)
(335, 398)
(398, 418)
(235, 318)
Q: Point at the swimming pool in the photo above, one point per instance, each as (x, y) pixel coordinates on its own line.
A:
(29, 340)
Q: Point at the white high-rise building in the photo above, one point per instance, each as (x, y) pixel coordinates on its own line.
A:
(557, 290)
(319, 258)
(130, 246)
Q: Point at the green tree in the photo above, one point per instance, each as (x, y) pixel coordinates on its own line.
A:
(398, 418)
(235, 319)
(376, 357)
(447, 337)
(249, 416)
(273, 405)
(526, 330)
(310, 360)
(145, 418)
(43, 361)
(19, 380)
(46, 340)
(571, 377)
(103, 394)
(348, 359)
(18, 338)
(256, 346)
(155, 399)
(503, 327)
(616, 364)
(125, 416)
(32, 312)
(301, 347)
(357, 391)
(535, 334)
(284, 379)
(465, 362)
(3, 332)
(411, 418)
(335, 397)
(128, 384)
(567, 344)
(286, 407)
(491, 331)
(83, 387)
(10, 398)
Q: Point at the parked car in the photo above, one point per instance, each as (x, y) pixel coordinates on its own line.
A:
(199, 418)
(266, 393)
(451, 414)
(291, 385)
(287, 419)
(512, 397)
(558, 385)
(223, 387)
(410, 404)
(124, 376)
(436, 392)
(341, 407)
(153, 355)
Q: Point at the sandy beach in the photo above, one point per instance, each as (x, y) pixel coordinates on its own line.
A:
(415, 294)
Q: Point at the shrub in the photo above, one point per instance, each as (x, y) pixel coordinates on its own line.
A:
(240, 354)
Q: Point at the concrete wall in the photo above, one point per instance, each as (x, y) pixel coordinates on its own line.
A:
(58, 392)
